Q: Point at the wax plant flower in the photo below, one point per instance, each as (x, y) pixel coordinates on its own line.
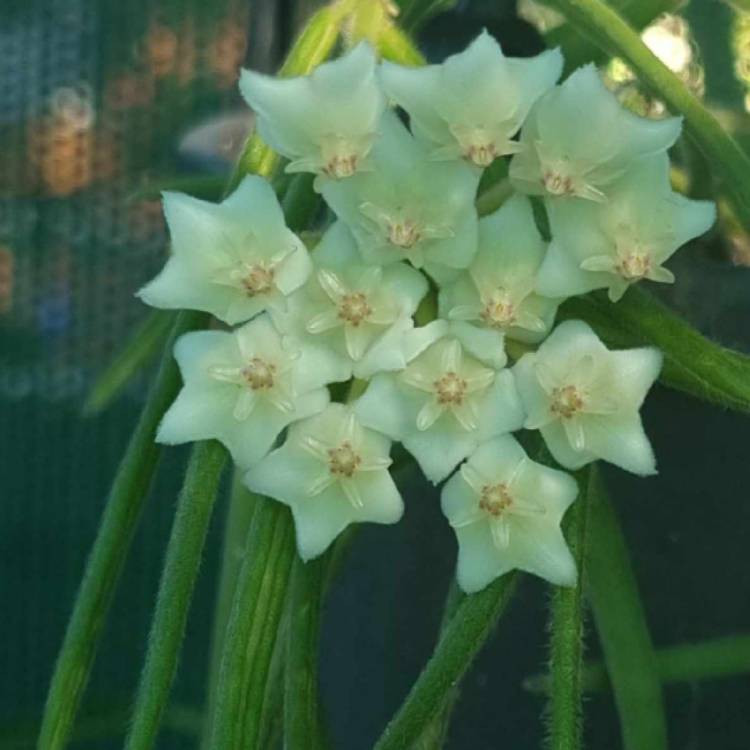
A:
(409, 207)
(497, 290)
(578, 140)
(615, 244)
(473, 104)
(585, 399)
(331, 472)
(506, 511)
(242, 388)
(232, 260)
(327, 122)
(442, 406)
(354, 313)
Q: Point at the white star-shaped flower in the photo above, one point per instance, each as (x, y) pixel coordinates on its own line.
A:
(331, 472)
(473, 104)
(618, 243)
(409, 207)
(497, 291)
(232, 260)
(443, 405)
(242, 388)
(506, 511)
(578, 140)
(326, 122)
(585, 399)
(355, 313)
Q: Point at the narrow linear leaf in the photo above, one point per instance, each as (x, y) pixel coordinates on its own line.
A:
(612, 33)
(692, 363)
(467, 632)
(236, 528)
(141, 348)
(578, 49)
(688, 662)
(567, 631)
(128, 493)
(623, 632)
(435, 734)
(302, 725)
(253, 628)
(184, 552)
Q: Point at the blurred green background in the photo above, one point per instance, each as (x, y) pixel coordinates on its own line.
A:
(100, 102)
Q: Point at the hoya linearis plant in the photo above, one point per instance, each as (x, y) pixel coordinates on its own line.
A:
(423, 314)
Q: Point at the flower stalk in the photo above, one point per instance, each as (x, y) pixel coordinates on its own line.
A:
(252, 629)
(184, 552)
(470, 627)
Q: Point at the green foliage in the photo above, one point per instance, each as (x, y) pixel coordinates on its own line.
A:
(567, 630)
(184, 551)
(127, 496)
(472, 624)
(622, 628)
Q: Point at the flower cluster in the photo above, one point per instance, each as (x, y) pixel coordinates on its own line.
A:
(405, 228)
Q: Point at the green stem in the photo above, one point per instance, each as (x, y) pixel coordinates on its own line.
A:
(578, 49)
(252, 629)
(467, 632)
(623, 632)
(146, 341)
(598, 21)
(567, 631)
(239, 516)
(688, 662)
(184, 552)
(434, 735)
(128, 493)
(396, 45)
(302, 726)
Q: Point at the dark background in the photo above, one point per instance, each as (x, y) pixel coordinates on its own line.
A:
(99, 99)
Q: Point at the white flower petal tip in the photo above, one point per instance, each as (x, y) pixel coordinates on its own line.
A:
(624, 241)
(241, 388)
(472, 105)
(560, 159)
(326, 122)
(585, 399)
(357, 316)
(442, 406)
(233, 259)
(332, 472)
(497, 292)
(506, 512)
(409, 207)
